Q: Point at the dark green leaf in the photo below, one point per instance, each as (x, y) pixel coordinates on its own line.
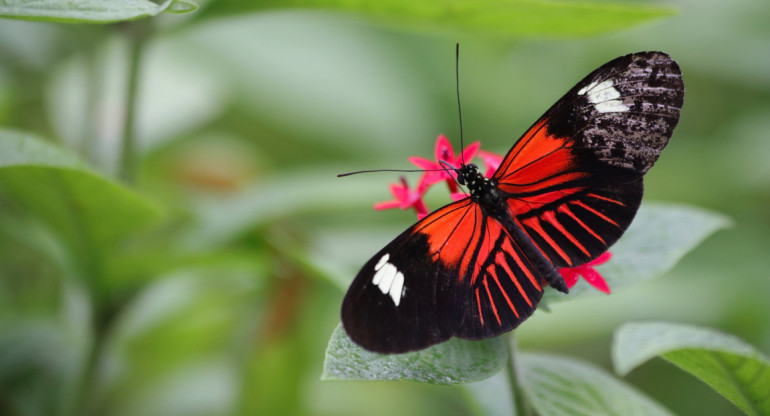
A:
(659, 237)
(89, 11)
(557, 386)
(733, 368)
(454, 361)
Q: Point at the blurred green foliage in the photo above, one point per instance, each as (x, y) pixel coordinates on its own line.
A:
(210, 282)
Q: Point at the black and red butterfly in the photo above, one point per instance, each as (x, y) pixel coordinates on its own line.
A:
(563, 194)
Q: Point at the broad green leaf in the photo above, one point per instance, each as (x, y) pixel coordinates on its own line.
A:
(659, 237)
(89, 11)
(85, 209)
(733, 368)
(558, 386)
(503, 18)
(454, 361)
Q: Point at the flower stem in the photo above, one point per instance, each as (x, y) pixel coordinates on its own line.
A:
(520, 404)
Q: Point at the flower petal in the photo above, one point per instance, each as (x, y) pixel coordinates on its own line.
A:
(595, 279)
(604, 258)
(469, 153)
(423, 163)
(379, 206)
(421, 209)
(429, 179)
(444, 149)
(492, 162)
(570, 276)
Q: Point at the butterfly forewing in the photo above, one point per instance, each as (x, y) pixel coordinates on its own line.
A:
(574, 178)
(407, 296)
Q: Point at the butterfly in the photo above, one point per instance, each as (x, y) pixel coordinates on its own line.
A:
(565, 192)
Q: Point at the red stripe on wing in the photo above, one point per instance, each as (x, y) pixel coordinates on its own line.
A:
(566, 210)
(493, 273)
(492, 302)
(595, 212)
(550, 217)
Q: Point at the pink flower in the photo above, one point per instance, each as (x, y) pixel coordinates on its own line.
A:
(444, 152)
(405, 198)
(588, 272)
(491, 160)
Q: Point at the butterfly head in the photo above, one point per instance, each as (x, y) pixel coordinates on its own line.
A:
(467, 174)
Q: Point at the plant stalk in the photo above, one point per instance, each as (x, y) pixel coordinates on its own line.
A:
(138, 32)
(520, 404)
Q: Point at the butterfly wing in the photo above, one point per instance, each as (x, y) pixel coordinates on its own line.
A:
(574, 179)
(503, 285)
(455, 272)
(405, 297)
(573, 183)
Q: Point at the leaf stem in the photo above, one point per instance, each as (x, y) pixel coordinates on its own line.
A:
(138, 32)
(520, 404)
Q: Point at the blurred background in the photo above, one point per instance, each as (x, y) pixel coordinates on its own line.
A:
(223, 303)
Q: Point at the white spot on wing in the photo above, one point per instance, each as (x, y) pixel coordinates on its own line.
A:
(388, 279)
(383, 260)
(388, 274)
(395, 288)
(604, 96)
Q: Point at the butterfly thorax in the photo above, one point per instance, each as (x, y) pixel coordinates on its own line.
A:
(483, 190)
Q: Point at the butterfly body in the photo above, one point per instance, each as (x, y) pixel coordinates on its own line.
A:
(492, 201)
(564, 193)
(483, 190)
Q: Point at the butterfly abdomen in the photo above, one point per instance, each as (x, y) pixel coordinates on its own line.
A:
(492, 200)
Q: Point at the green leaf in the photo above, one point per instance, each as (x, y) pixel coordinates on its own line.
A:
(502, 18)
(182, 7)
(557, 386)
(85, 209)
(89, 11)
(451, 362)
(733, 368)
(659, 237)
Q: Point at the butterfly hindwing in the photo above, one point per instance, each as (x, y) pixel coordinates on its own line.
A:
(505, 287)
(574, 179)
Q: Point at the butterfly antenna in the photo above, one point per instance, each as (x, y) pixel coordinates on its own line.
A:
(448, 167)
(390, 170)
(459, 108)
